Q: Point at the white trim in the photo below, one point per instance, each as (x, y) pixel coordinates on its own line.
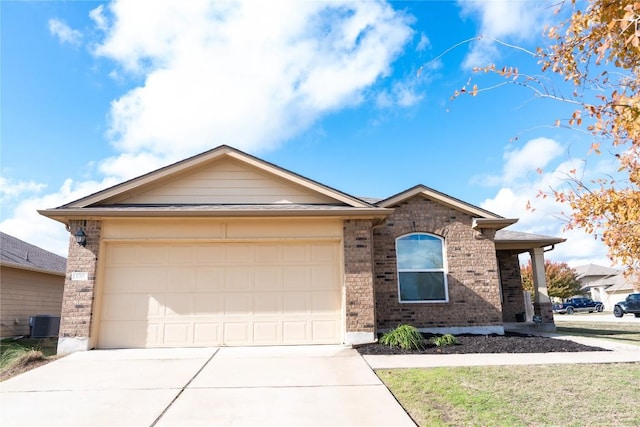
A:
(354, 338)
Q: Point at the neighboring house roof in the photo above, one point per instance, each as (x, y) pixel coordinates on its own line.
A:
(588, 270)
(19, 254)
(620, 285)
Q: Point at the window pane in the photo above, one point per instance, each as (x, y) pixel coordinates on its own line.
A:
(422, 286)
(419, 252)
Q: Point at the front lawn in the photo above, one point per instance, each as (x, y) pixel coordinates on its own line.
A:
(625, 333)
(541, 395)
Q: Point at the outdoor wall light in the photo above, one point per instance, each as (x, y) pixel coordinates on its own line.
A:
(81, 238)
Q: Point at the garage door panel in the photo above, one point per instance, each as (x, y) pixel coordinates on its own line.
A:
(239, 278)
(210, 254)
(182, 254)
(206, 294)
(323, 277)
(268, 254)
(207, 333)
(324, 330)
(179, 305)
(267, 304)
(324, 302)
(296, 278)
(210, 278)
(153, 255)
(179, 334)
(238, 304)
(181, 279)
(266, 333)
(294, 254)
(128, 307)
(295, 303)
(239, 254)
(237, 333)
(209, 304)
(295, 331)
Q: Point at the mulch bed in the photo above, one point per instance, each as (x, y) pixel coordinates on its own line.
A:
(469, 344)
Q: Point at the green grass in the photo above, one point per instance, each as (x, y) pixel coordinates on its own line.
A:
(626, 333)
(17, 356)
(48, 346)
(547, 395)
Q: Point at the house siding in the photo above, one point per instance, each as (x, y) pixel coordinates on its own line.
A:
(472, 270)
(78, 298)
(26, 293)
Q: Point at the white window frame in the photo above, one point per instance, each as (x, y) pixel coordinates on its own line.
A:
(442, 270)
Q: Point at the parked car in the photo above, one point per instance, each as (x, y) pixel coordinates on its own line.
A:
(573, 305)
(629, 305)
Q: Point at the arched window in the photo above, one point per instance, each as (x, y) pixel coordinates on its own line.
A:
(421, 269)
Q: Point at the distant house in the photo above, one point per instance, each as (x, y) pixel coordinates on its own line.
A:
(31, 283)
(605, 284)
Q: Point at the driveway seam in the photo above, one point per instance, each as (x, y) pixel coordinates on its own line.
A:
(183, 389)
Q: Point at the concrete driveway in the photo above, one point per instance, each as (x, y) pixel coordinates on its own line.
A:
(279, 386)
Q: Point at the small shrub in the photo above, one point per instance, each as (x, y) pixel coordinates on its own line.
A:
(444, 340)
(15, 354)
(404, 336)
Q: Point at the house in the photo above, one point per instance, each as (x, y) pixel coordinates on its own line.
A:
(31, 283)
(605, 284)
(224, 248)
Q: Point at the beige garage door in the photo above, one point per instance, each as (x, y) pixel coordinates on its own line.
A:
(207, 294)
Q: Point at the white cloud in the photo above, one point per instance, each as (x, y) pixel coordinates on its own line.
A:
(97, 16)
(26, 224)
(520, 185)
(248, 74)
(522, 164)
(64, 33)
(10, 189)
(403, 94)
(424, 43)
(503, 20)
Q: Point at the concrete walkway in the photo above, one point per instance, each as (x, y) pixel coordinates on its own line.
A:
(254, 386)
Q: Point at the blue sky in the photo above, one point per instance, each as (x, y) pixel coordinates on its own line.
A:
(94, 93)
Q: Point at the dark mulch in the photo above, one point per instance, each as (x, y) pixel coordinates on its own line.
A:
(508, 343)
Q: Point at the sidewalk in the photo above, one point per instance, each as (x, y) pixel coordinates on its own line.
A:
(620, 353)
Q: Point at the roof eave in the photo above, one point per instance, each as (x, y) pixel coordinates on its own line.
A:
(491, 223)
(65, 215)
(525, 245)
(34, 269)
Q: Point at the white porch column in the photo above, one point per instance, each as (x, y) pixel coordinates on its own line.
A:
(541, 303)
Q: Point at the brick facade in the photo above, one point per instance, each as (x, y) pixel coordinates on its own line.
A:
(78, 298)
(359, 291)
(474, 292)
(512, 292)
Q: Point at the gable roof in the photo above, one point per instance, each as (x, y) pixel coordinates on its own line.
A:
(19, 254)
(483, 217)
(124, 199)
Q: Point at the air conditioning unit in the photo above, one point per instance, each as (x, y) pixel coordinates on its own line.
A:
(44, 326)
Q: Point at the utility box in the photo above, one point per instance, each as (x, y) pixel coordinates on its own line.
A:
(44, 326)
